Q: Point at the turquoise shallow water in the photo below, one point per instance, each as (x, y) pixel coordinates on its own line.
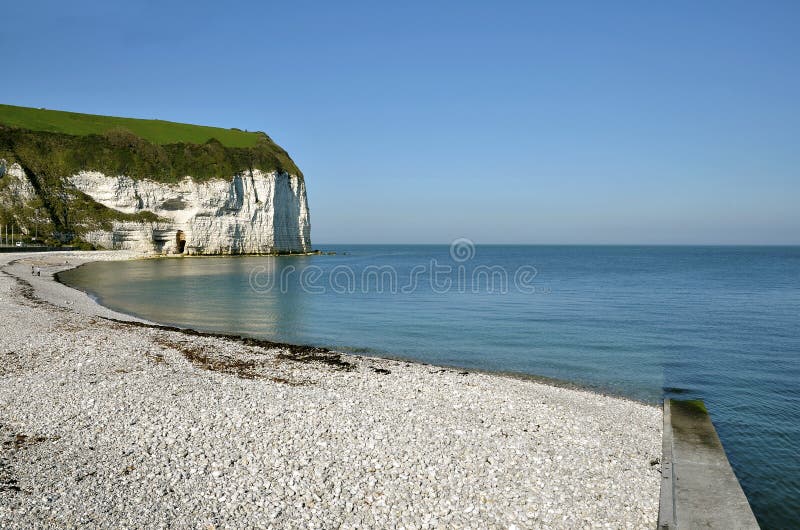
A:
(715, 323)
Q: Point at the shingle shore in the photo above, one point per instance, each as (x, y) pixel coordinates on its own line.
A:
(108, 424)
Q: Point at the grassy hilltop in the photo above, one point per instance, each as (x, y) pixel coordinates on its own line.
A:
(154, 131)
(66, 142)
(52, 145)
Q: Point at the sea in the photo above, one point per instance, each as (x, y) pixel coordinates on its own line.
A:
(717, 323)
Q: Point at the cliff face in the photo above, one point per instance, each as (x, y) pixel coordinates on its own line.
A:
(250, 213)
(119, 190)
(19, 190)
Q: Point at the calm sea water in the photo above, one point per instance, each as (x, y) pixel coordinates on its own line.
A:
(716, 323)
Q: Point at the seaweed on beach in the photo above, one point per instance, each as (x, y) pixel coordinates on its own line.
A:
(8, 482)
(245, 369)
(288, 382)
(199, 357)
(20, 441)
(155, 358)
(302, 353)
(291, 352)
(27, 291)
(11, 444)
(316, 355)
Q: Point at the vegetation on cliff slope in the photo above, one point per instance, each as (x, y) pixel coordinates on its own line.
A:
(53, 145)
(57, 214)
(67, 142)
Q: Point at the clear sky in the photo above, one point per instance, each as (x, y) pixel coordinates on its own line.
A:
(504, 122)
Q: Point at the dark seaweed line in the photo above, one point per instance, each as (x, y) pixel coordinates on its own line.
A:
(295, 352)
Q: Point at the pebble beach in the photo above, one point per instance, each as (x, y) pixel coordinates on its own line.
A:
(109, 421)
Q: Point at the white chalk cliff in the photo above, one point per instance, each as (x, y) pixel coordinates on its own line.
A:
(253, 212)
(20, 187)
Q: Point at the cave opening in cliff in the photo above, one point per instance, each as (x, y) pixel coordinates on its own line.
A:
(180, 242)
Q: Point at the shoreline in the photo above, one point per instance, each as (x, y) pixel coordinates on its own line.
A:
(541, 379)
(321, 436)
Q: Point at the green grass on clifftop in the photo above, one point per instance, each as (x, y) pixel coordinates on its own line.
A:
(154, 131)
(57, 144)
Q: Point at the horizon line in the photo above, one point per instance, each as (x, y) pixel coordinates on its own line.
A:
(578, 244)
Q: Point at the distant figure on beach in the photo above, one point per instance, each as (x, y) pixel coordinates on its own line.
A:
(33, 270)
(38, 271)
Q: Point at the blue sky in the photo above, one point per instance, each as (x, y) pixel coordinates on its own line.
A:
(507, 122)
